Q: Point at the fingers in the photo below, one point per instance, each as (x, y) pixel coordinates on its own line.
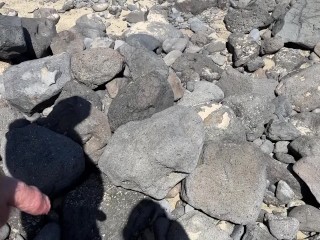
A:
(28, 199)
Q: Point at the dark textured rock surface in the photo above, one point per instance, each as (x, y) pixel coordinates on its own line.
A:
(29, 84)
(96, 66)
(215, 188)
(160, 151)
(244, 20)
(302, 20)
(302, 89)
(140, 99)
(12, 41)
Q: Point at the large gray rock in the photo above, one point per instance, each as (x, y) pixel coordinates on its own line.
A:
(283, 227)
(300, 24)
(302, 89)
(256, 232)
(30, 84)
(160, 151)
(141, 62)
(308, 123)
(216, 188)
(190, 63)
(195, 7)
(277, 171)
(204, 92)
(78, 119)
(286, 60)
(38, 35)
(243, 47)
(161, 30)
(12, 40)
(253, 110)
(244, 20)
(98, 198)
(197, 226)
(232, 82)
(281, 130)
(42, 158)
(308, 169)
(308, 217)
(91, 26)
(140, 99)
(67, 41)
(143, 40)
(96, 66)
(220, 123)
(305, 146)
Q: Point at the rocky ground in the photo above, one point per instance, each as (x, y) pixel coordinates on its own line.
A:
(163, 120)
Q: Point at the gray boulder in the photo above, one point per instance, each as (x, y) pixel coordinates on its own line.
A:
(195, 7)
(161, 30)
(197, 226)
(91, 26)
(30, 84)
(253, 110)
(255, 64)
(67, 41)
(42, 158)
(142, 62)
(38, 34)
(232, 82)
(220, 123)
(96, 66)
(244, 20)
(190, 63)
(301, 20)
(49, 13)
(215, 186)
(257, 232)
(12, 40)
(302, 89)
(305, 146)
(160, 151)
(308, 123)
(283, 227)
(271, 45)
(204, 92)
(308, 217)
(174, 44)
(284, 193)
(281, 130)
(140, 99)
(243, 47)
(143, 40)
(308, 169)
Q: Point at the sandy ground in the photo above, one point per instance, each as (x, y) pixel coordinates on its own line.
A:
(25, 8)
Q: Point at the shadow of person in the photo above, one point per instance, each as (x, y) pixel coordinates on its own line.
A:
(149, 221)
(35, 155)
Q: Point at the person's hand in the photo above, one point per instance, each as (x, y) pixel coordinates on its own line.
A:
(29, 199)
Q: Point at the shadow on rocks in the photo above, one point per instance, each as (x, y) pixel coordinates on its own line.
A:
(149, 221)
(48, 154)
